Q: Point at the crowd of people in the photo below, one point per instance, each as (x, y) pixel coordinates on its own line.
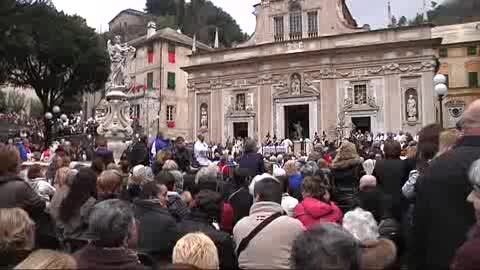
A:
(398, 202)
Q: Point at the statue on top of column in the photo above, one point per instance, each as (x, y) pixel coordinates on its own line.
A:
(120, 54)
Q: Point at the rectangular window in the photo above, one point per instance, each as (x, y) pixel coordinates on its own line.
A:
(313, 24)
(447, 81)
(171, 81)
(296, 25)
(360, 94)
(240, 106)
(278, 28)
(473, 79)
(443, 52)
(150, 52)
(472, 51)
(171, 53)
(170, 113)
(150, 81)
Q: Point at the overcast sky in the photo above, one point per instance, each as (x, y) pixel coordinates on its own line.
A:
(99, 12)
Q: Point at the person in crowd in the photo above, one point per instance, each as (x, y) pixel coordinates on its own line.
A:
(177, 207)
(295, 178)
(197, 250)
(47, 259)
(64, 179)
(56, 163)
(112, 230)
(316, 206)
(139, 153)
(172, 167)
(252, 160)
(369, 164)
(447, 140)
(38, 182)
(446, 177)
(207, 178)
(240, 198)
(17, 236)
(98, 166)
(140, 176)
(377, 253)
(75, 208)
(23, 148)
(14, 191)
(347, 170)
(391, 174)
(466, 257)
(160, 160)
(109, 185)
(182, 155)
(159, 144)
(206, 211)
(158, 231)
(200, 152)
(102, 152)
(324, 247)
(269, 248)
(288, 202)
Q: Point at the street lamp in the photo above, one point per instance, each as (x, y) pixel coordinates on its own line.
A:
(56, 109)
(441, 90)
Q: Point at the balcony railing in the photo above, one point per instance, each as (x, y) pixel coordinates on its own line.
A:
(312, 34)
(295, 36)
(278, 38)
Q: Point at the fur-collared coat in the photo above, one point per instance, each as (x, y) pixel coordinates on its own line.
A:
(347, 170)
(379, 254)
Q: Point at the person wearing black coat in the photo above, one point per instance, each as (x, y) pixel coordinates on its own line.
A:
(347, 170)
(442, 216)
(181, 155)
(391, 174)
(158, 229)
(207, 208)
(139, 153)
(252, 160)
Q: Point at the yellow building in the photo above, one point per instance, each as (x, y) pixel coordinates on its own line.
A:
(459, 56)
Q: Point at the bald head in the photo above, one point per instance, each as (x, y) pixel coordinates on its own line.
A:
(471, 117)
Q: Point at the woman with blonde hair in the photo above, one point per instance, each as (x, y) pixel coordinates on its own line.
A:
(108, 185)
(447, 141)
(196, 249)
(60, 177)
(47, 259)
(17, 239)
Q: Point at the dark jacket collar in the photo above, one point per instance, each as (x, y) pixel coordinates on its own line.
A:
(150, 205)
(470, 141)
(198, 216)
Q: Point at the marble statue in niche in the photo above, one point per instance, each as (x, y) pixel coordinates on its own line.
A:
(411, 105)
(296, 84)
(204, 116)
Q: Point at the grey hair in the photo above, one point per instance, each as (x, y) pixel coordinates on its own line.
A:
(309, 169)
(170, 165)
(207, 174)
(324, 247)
(110, 222)
(474, 175)
(250, 146)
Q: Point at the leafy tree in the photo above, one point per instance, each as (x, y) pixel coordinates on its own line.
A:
(161, 7)
(13, 102)
(3, 102)
(36, 108)
(457, 11)
(402, 21)
(56, 54)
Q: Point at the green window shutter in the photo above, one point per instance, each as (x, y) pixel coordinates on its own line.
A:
(473, 79)
(443, 52)
(150, 80)
(171, 48)
(472, 51)
(171, 81)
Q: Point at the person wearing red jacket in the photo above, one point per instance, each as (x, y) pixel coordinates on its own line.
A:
(316, 207)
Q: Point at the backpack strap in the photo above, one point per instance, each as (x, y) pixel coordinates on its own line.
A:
(245, 241)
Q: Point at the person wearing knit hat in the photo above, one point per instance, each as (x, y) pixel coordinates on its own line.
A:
(367, 181)
(377, 253)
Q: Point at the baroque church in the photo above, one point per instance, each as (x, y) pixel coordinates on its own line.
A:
(310, 68)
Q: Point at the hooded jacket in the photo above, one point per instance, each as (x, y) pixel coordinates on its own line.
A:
(15, 192)
(312, 212)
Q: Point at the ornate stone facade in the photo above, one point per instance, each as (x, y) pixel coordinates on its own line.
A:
(356, 77)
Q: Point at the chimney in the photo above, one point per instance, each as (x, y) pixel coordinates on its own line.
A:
(151, 29)
(216, 45)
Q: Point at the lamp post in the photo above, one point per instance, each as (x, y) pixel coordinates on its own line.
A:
(51, 120)
(441, 90)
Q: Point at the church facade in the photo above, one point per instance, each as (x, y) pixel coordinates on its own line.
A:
(309, 68)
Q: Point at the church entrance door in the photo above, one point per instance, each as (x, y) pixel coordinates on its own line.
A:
(240, 130)
(297, 120)
(362, 123)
